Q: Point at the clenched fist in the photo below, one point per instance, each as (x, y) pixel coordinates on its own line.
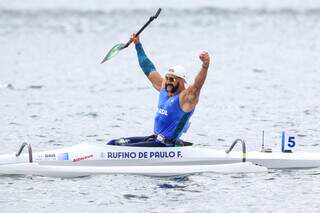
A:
(205, 58)
(134, 38)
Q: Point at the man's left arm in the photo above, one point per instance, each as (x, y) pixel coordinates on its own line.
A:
(190, 97)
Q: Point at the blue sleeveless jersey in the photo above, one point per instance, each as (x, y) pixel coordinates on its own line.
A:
(170, 121)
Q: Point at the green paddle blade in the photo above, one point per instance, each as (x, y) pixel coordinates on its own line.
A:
(114, 51)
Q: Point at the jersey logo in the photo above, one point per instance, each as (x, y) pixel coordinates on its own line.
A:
(162, 112)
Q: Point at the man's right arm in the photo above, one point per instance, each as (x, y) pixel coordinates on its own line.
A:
(146, 65)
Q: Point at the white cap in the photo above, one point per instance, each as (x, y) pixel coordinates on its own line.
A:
(179, 71)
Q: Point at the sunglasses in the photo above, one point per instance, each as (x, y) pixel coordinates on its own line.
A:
(170, 79)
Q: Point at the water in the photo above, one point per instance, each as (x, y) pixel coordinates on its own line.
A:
(54, 93)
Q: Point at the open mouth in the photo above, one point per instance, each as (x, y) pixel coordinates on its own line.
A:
(169, 87)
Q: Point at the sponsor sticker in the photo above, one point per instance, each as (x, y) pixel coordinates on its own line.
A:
(50, 156)
(82, 158)
(63, 156)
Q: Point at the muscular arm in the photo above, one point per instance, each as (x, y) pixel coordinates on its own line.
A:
(148, 68)
(189, 98)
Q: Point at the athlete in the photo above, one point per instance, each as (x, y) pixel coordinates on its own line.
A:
(177, 101)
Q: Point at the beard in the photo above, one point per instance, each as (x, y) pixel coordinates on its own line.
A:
(170, 88)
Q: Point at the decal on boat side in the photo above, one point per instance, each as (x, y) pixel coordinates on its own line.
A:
(82, 158)
(50, 156)
(141, 155)
(63, 156)
(46, 156)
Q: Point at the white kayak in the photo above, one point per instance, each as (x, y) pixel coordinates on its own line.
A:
(89, 159)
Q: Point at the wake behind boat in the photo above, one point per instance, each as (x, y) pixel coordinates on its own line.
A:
(90, 159)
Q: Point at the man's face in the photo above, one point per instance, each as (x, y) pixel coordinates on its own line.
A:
(172, 83)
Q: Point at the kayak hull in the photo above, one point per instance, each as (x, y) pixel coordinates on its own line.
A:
(86, 159)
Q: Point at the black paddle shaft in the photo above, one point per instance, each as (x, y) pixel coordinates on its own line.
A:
(144, 26)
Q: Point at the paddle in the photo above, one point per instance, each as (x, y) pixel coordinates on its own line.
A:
(118, 47)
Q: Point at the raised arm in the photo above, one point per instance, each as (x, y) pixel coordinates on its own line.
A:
(146, 65)
(190, 97)
(202, 75)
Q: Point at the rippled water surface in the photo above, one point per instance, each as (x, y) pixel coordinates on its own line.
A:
(54, 93)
